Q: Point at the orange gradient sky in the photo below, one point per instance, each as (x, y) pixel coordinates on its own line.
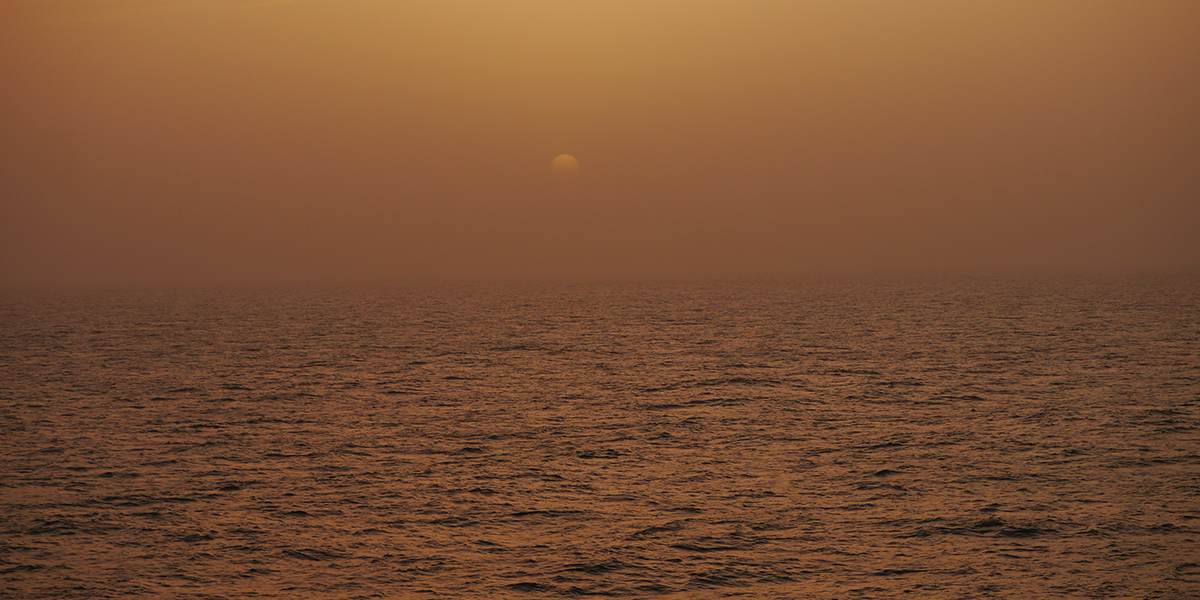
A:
(225, 141)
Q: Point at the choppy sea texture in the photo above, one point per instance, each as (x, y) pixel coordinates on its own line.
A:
(952, 439)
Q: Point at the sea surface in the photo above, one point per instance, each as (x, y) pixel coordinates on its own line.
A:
(958, 438)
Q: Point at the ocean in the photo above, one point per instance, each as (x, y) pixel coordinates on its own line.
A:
(939, 438)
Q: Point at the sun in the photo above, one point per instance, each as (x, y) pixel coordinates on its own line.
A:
(564, 167)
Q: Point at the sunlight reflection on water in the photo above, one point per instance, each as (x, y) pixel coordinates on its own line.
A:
(952, 439)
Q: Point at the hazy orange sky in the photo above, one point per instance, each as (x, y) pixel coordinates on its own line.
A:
(226, 141)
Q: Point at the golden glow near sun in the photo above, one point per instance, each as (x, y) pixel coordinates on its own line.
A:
(564, 167)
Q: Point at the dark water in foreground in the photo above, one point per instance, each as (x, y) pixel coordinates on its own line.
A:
(970, 439)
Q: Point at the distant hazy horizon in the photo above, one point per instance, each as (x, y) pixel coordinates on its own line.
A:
(150, 143)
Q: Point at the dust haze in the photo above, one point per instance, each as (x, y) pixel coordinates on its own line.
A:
(275, 142)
